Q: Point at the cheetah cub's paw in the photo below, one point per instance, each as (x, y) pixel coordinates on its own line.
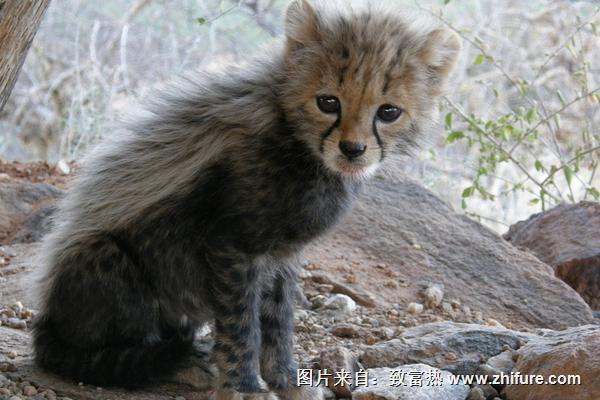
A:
(233, 395)
(301, 393)
(200, 378)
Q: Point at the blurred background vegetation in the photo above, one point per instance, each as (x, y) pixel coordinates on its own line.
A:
(519, 128)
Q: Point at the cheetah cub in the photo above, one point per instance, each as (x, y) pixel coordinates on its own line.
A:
(197, 210)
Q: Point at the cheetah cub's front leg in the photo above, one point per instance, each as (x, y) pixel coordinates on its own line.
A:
(278, 367)
(235, 292)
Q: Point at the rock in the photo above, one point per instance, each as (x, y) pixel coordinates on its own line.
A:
(566, 237)
(447, 307)
(488, 391)
(476, 266)
(8, 313)
(493, 322)
(456, 347)
(410, 382)
(433, 295)
(341, 304)
(16, 323)
(503, 362)
(575, 351)
(414, 308)
(345, 331)
(18, 275)
(19, 199)
(328, 394)
(35, 226)
(476, 394)
(29, 390)
(63, 167)
(339, 360)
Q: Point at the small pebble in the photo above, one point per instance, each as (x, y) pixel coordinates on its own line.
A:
(447, 307)
(340, 303)
(493, 322)
(455, 304)
(9, 313)
(476, 394)
(18, 307)
(414, 308)
(434, 294)
(372, 339)
(63, 167)
(16, 323)
(29, 390)
(50, 394)
(7, 366)
(345, 331)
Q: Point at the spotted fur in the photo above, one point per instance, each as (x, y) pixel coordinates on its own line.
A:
(197, 209)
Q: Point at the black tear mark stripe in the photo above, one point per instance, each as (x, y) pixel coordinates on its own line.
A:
(378, 138)
(328, 132)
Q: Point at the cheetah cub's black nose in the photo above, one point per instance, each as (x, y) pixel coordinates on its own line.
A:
(352, 149)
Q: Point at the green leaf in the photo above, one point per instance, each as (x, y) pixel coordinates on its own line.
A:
(557, 120)
(531, 115)
(539, 166)
(449, 121)
(479, 59)
(201, 21)
(468, 192)
(533, 202)
(561, 98)
(568, 174)
(454, 136)
(463, 204)
(594, 192)
(446, 2)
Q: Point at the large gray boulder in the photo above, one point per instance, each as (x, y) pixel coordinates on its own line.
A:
(455, 347)
(423, 239)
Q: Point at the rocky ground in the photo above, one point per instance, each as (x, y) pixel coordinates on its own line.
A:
(405, 285)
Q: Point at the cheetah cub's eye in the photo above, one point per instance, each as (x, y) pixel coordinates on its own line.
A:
(388, 113)
(328, 104)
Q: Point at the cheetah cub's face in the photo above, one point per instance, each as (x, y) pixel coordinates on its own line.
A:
(362, 82)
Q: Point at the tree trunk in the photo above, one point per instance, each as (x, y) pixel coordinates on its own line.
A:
(19, 21)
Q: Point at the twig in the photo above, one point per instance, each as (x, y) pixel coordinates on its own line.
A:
(493, 140)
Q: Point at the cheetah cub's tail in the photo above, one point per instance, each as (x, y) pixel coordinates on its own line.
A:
(125, 365)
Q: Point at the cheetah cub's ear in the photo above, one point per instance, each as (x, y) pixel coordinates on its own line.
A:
(440, 52)
(301, 24)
